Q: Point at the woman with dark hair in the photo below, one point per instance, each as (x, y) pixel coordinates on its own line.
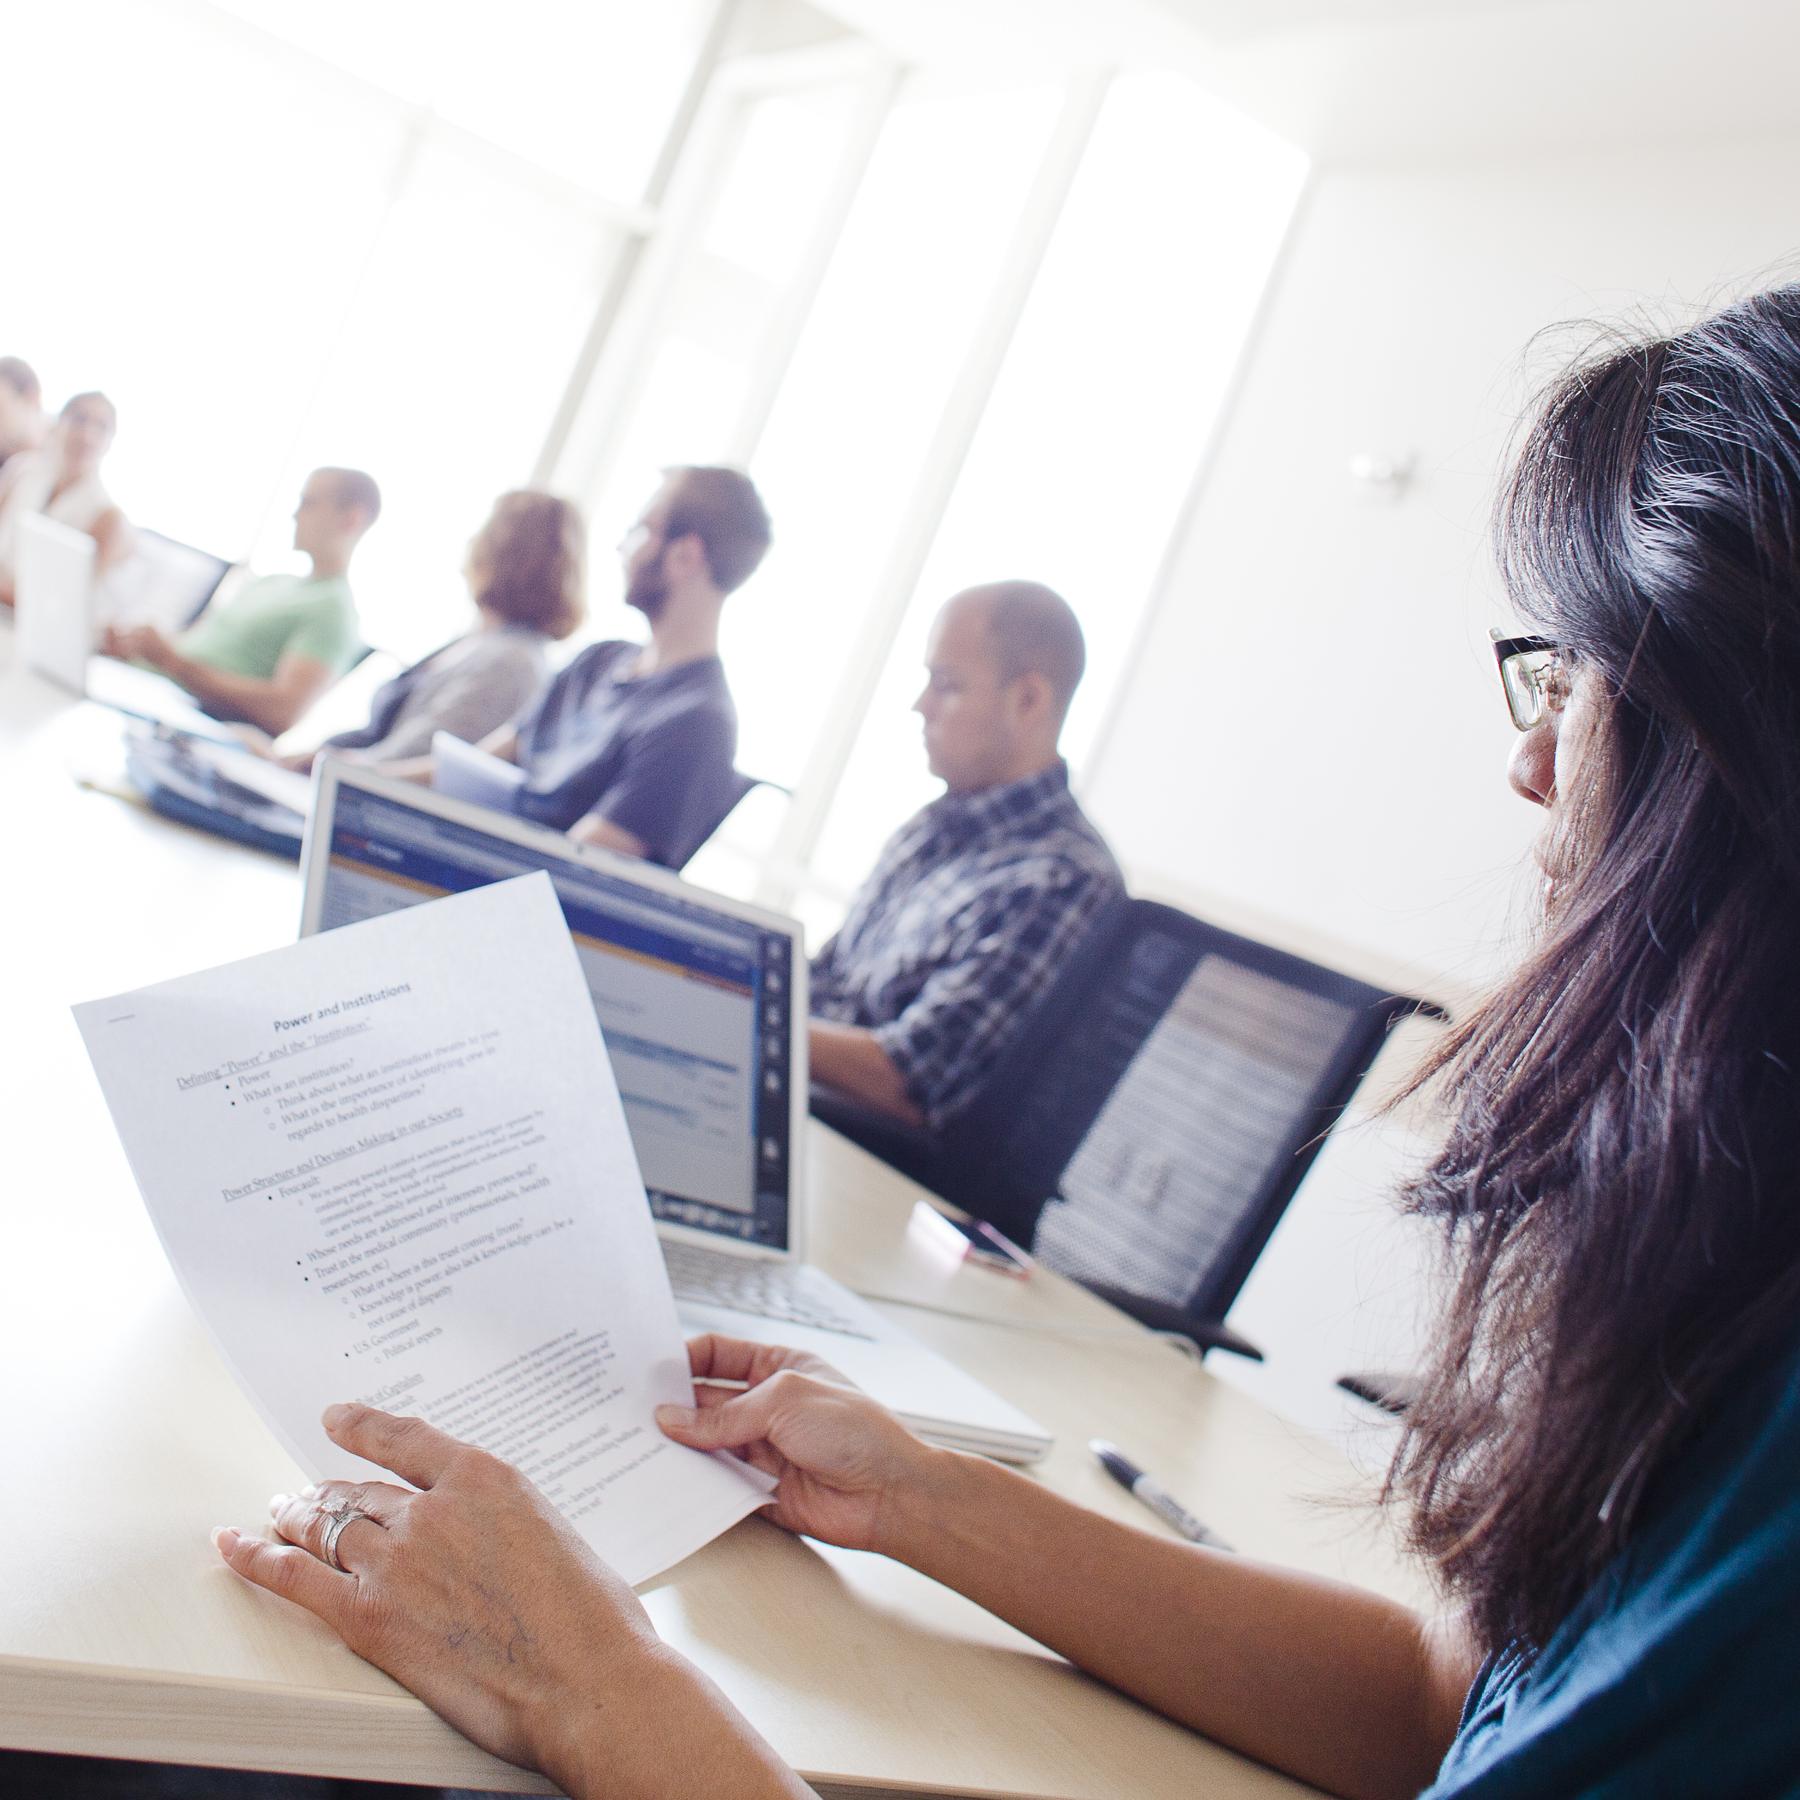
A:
(1604, 1468)
(525, 573)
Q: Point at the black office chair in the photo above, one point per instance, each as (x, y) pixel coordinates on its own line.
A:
(1147, 1127)
(731, 796)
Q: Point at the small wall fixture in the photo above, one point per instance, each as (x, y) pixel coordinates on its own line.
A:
(1381, 476)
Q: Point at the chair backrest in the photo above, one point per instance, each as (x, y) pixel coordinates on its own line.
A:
(740, 788)
(1155, 1116)
(715, 863)
(731, 793)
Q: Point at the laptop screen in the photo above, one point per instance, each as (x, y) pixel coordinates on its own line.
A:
(695, 1001)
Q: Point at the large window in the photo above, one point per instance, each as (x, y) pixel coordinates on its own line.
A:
(1010, 360)
(457, 343)
(1094, 427)
(959, 325)
(286, 232)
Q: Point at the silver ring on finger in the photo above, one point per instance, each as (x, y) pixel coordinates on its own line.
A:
(340, 1516)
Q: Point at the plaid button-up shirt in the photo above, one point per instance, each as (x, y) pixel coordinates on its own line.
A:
(970, 910)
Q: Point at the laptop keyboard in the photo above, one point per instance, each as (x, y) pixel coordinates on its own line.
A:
(764, 1289)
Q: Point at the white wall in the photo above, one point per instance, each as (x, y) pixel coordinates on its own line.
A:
(1311, 743)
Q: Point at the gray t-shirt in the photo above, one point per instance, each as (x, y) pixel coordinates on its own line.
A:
(469, 688)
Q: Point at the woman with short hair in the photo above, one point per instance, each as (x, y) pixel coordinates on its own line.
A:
(525, 570)
(1604, 1468)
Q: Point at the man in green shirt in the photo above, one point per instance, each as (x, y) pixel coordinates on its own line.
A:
(270, 651)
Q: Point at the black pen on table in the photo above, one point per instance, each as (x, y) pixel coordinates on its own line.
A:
(1154, 1495)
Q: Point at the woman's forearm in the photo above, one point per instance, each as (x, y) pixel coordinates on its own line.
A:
(601, 1749)
(1338, 1686)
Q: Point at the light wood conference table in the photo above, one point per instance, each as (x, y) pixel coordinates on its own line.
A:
(126, 1438)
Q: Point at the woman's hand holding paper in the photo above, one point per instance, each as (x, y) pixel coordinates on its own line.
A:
(478, 1596)
(846, 1467)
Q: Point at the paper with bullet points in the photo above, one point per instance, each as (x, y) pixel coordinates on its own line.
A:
(389, 1164)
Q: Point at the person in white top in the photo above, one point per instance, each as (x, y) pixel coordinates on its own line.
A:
(62, 481)
(22, 421)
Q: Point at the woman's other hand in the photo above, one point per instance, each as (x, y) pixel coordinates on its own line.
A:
(846, 1468)
(479, 1596)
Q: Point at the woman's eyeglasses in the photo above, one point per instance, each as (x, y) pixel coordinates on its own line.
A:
(1534, 676)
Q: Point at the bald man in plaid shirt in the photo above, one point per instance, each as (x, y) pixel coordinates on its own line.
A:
(980, 897)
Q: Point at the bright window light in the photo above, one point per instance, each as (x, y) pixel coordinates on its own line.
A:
(585, 92)
(456, 343)
(249, 225)
(692, 378)
(177, 252)
(378, 233)
(1096, 426)
(838, 464)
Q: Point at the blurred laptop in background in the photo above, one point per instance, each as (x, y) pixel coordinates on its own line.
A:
(57, 624)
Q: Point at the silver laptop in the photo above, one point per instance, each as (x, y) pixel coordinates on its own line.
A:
(55, 601)
(703, 1004)
(57, 628)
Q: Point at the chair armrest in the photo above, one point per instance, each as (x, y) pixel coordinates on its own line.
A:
(908, 1148)
(1204, 1334)
(1391, 1392)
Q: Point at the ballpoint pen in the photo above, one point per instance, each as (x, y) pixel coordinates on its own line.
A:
(1151, 1492)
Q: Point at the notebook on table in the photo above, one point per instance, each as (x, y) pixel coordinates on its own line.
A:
(465, 773)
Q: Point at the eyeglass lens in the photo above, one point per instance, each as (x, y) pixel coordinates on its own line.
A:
(1531, 680)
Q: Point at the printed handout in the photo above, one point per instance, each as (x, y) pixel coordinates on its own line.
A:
(389, 1164)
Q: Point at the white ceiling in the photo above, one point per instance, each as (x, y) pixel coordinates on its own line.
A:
(1355, 80)
(1235, 21)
